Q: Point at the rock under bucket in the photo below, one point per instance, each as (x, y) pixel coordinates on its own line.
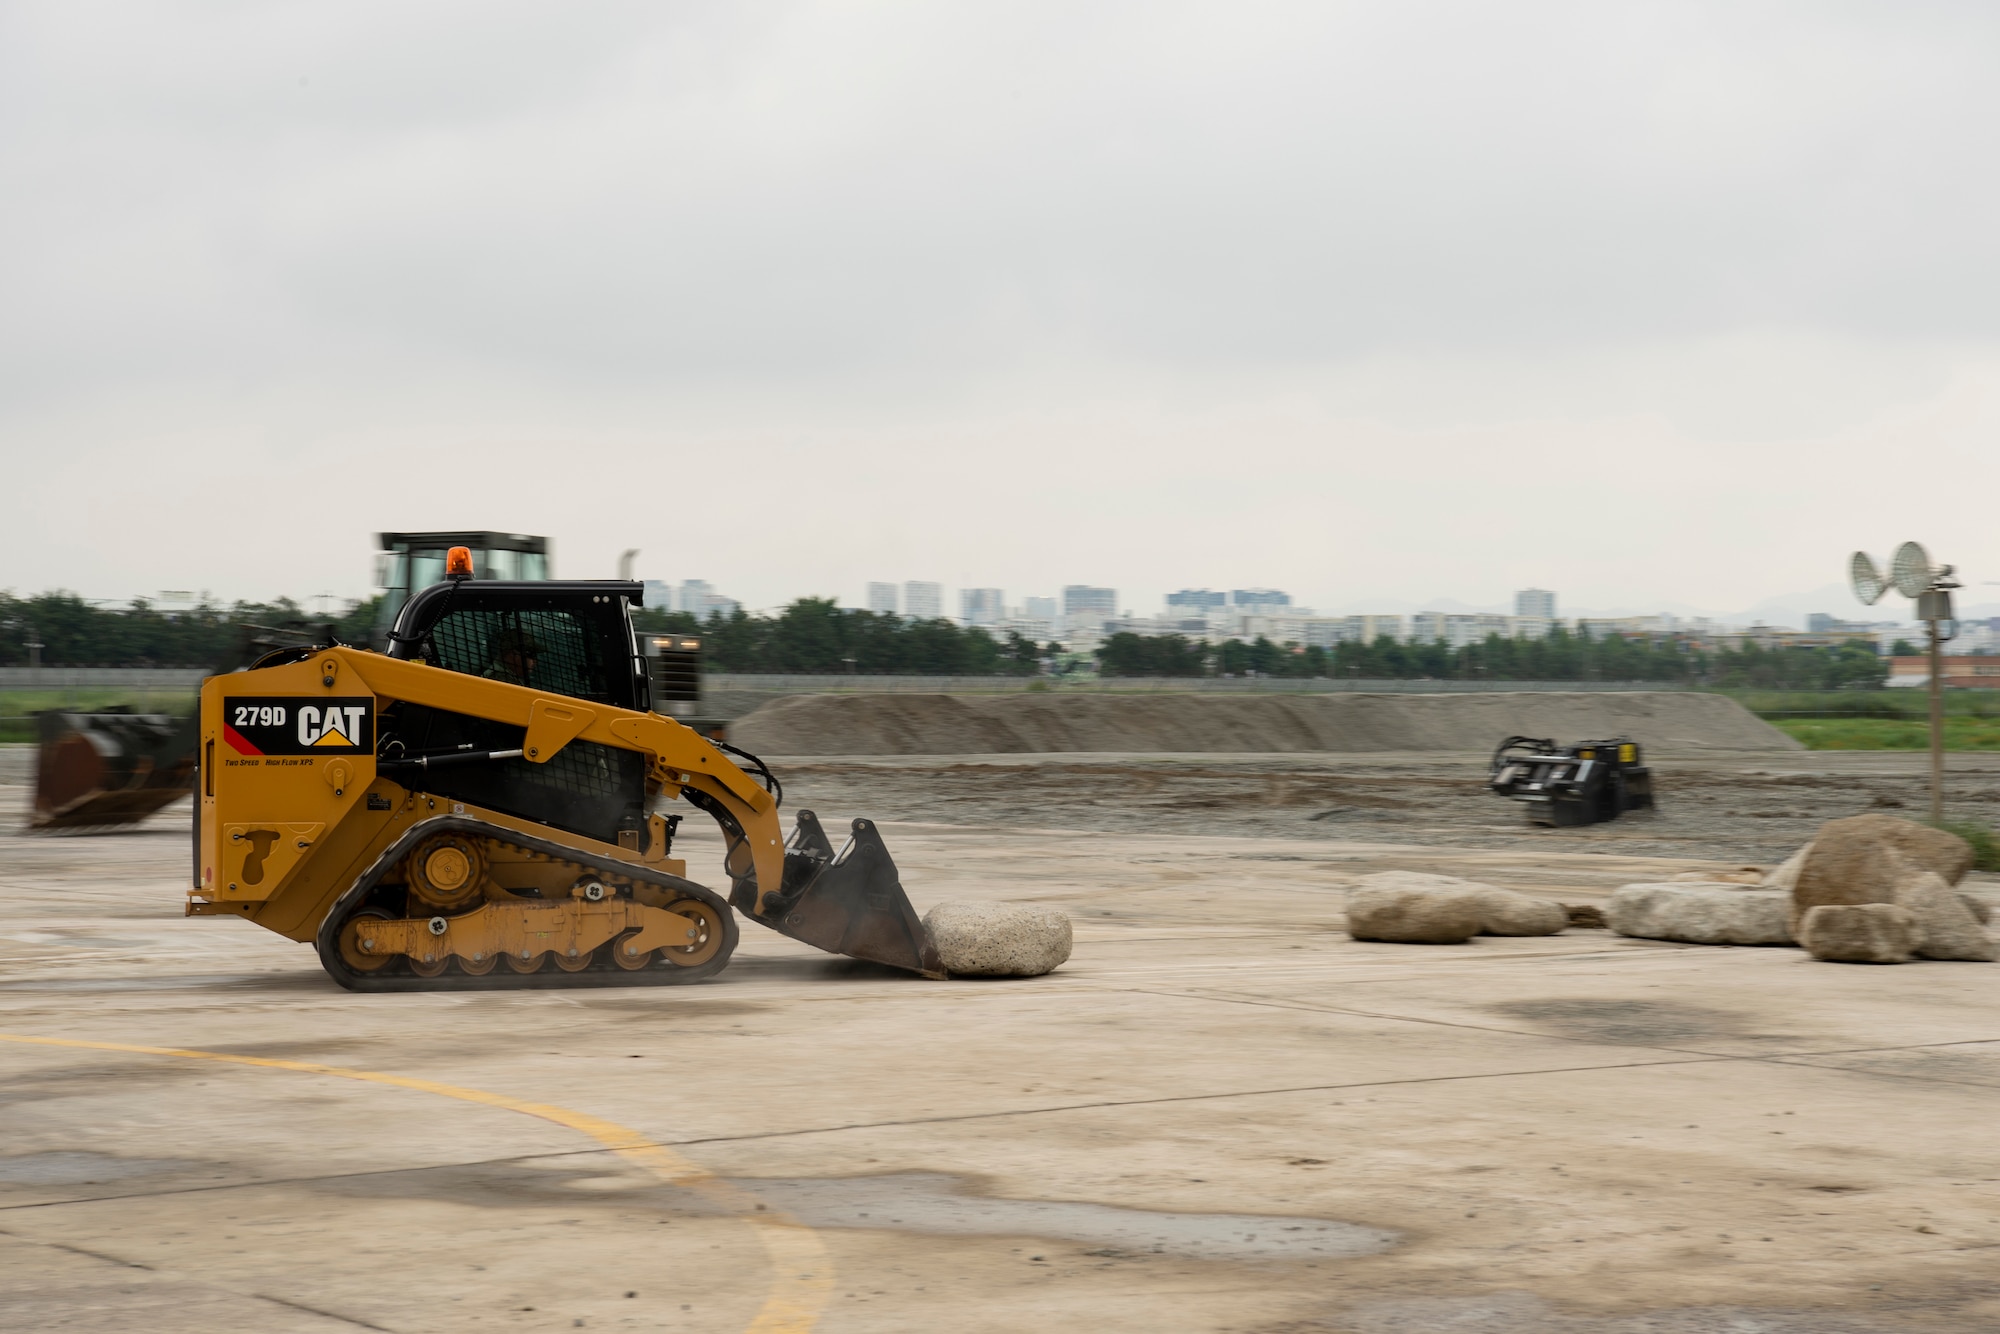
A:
(998, 939)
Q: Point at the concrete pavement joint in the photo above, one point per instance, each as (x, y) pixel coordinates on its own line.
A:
(1780, 1058)
(1795, 1060)
(1694, 1058)
(1195, 1097)
(312, 1180)
(133, 1264)
(802, 1271)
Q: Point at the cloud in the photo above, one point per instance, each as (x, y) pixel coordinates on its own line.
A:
(1650, 301)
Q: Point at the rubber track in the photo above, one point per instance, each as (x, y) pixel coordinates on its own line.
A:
(603, 973)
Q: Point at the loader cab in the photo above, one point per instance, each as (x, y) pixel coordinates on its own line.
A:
(559, 637)
(408, 563)
(566, 637)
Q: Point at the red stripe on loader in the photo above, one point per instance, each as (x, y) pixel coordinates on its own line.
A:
(237, 739)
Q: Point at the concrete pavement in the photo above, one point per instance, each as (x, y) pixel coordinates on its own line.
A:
(1579, 1133)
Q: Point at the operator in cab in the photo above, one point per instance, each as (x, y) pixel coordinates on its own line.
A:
(511, 654)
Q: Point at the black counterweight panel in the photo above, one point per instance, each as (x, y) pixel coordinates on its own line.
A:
(584, 788)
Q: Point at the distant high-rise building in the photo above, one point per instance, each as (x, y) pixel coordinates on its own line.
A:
(882, 598)
(1084, 603)
(1194, 601)
(922, 601)
(1456, 630)
(693, 596)
(981, 606)
(1461, 630)
(1823, 623)
(1259, 601)
(699, 599)
(1039, 609)
(1368, 629)
(1538, 602)
(659, 595)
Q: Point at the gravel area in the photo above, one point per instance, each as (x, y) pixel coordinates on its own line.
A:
(1749, 808)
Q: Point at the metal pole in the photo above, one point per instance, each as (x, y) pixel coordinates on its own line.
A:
(1937, 725)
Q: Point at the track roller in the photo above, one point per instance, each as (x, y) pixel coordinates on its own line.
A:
(410, 924)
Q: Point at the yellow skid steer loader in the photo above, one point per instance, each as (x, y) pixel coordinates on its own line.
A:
(480, 806)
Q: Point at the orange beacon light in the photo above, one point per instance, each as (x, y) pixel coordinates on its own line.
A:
(458, 563)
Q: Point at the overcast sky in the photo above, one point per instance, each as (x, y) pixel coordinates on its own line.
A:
(1380, 304)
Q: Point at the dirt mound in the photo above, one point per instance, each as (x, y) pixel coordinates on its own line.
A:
(889, 724)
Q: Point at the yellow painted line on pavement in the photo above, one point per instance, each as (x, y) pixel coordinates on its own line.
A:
(802, 1281)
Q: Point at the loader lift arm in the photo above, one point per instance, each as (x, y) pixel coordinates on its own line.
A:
(679, 759)
(510, 766)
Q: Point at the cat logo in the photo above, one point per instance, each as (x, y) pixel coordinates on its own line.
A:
(340, 728)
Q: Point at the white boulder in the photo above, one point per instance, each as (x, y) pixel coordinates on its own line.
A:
(1414, 908)
(1504, 912)
(1786, 873)
(976, 939)
(1947, 927)
(1707, 914)
(1859, 932)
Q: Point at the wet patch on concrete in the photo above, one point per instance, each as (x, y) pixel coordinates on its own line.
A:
(1968, 1063)
(288, 980)
(77, 1168)
(319, 1051)
(942, 1204)
(1525, 1313)
(817, 969)
(667, 1005)
(931, 1203)
(115, 1077)
(311, 978)
(1630, 1022)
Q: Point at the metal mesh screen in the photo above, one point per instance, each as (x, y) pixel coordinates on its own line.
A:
(549, 650)
(584, 787)
(584, 769)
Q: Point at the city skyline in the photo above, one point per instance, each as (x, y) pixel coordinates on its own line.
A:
(1083, 621)
(996, 606)
(1830, 599)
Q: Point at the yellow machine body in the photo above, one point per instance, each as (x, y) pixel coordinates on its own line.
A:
(283, 835)
(301, 819)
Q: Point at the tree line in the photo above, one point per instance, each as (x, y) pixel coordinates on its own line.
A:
(812, 635)
(1562, 656)
(817, 636)
(73, 633)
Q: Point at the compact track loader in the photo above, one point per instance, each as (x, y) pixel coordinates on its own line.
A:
(480, 806)
(1587, 783)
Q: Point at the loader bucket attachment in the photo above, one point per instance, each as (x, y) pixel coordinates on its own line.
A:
(99, 770)
(850, 902)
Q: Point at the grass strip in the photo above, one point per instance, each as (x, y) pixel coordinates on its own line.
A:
(1960, 733)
